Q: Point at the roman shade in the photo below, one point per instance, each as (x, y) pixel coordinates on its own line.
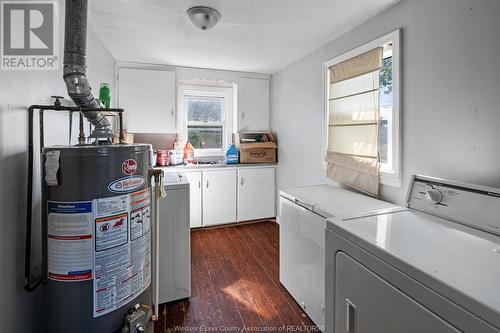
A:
(352, 151)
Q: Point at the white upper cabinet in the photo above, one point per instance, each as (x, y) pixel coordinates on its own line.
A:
(148, 97)
(253, 104)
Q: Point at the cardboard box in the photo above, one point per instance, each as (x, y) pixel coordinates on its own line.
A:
(263, 151)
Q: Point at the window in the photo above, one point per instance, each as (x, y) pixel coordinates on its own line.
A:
(206, 116)
(204, 123)
(388, 99)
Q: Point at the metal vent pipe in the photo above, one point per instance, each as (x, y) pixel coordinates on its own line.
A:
(77, 84)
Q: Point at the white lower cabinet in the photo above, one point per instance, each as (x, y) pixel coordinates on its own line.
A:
(302, 256)
(256, 194)
(219, 196)
(195, 198)
(364, 302)
(228, 195)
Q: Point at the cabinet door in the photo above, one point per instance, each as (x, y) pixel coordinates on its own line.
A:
(302, 258)
(256, 197)
(253, 104)
(219, 197)
(366, 303)
(148, 97)
(195, 180)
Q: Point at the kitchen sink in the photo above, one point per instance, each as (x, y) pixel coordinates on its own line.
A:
(207, 162)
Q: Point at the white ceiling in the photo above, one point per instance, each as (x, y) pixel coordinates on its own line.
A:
(252, 36)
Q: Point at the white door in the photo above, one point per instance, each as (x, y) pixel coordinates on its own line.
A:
(195, 199)
(219, 197)
(148, 97)
(366, 303)
(253, 104)
(256, 195)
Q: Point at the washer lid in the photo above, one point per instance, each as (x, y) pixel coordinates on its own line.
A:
(173, 180)
(459, 262)
(327, 201)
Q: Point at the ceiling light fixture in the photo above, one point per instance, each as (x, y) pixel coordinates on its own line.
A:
(203, 17)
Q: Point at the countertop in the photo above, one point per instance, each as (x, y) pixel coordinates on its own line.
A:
(182, 167)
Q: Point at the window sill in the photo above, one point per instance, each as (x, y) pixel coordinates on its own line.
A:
(207, 153)
(390, 179)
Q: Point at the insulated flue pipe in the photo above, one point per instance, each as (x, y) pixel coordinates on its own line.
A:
(77, 84)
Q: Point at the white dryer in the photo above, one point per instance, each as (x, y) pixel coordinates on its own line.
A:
(431, 267)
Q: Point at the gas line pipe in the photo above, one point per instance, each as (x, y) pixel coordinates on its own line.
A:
(159, 193)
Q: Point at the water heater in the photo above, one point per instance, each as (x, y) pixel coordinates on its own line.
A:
(97, 226)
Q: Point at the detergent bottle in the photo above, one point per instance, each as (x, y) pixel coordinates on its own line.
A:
(232, 155)
(188, 153)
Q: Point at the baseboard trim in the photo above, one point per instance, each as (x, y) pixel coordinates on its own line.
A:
(233, 224)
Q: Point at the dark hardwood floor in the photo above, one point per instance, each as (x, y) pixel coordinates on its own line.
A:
(235, 285)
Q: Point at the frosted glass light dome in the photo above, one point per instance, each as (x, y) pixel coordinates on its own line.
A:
(203, 17)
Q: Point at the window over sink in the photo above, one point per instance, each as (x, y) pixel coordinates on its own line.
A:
(205, 128)
(206, 118)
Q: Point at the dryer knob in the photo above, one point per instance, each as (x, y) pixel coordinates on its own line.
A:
(434, 196)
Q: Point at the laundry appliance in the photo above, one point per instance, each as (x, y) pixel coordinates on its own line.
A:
(433, 266)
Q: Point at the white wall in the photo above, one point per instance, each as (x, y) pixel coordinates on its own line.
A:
(18, 90)
(451, 95)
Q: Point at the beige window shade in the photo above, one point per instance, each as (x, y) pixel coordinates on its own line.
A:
(352, 153)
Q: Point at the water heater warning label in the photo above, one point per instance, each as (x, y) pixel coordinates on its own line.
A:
(69, 243)
(122, 253)
(111, 231)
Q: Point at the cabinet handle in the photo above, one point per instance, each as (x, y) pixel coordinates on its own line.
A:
(242, 181)
(350, 324)
(172, 112)
(207, 184)
(199, 184)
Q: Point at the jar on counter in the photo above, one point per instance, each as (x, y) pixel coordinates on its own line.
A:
(162, 157)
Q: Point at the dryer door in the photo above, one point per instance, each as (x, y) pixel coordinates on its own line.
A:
(365, 303)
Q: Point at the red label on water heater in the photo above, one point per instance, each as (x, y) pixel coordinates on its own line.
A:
(129, 167)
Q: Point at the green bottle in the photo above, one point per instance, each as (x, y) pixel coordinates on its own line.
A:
(105, 95)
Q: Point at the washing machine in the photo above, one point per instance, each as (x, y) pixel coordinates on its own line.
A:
(433, 266)
(174, 239)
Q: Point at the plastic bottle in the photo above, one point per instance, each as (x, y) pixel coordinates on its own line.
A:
(231, 155)
(188, 153)
(177, 153)
(105, 95)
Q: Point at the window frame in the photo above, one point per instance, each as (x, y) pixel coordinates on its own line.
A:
(391, 176)
(226, 118)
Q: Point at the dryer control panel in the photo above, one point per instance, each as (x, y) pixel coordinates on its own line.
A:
(473, 205)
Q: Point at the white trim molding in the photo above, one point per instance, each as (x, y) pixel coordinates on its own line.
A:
(227, 93)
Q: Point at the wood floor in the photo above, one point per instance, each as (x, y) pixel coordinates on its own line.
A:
(235, 285)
